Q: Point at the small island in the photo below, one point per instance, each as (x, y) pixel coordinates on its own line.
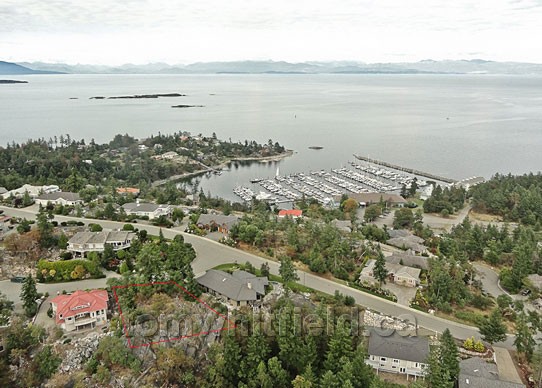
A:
(140, 96)
(316, 147)
(12, 81)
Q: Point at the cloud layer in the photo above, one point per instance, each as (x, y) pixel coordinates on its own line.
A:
(140, 31)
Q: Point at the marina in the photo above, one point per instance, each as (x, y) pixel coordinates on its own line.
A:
(326, 186)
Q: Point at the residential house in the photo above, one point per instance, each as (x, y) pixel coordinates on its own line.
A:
(59, 198)
(343, 226)
(239, 289)
(397, 273)
(217, 222)
(80, 310)
(477, 373)
(150, 210)
(294, 213)
(367, 199)
(397, 354)
(83, 242)
(409, 259)
(128, 190)
(404, 239)
(536, 281)
(33, 191)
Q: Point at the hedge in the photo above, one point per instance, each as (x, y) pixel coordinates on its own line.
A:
(55, 271)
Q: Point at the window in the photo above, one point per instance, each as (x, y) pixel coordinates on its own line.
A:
(382, 358)
(417, 365)
(396, 361)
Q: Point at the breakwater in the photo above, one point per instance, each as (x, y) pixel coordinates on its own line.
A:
(407, 169)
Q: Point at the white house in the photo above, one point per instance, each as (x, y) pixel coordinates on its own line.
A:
(80, 310)
(83, 242)
(150, 210)
(59, 198)
(397, 354)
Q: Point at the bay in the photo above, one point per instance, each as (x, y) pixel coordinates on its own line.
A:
(452, 125)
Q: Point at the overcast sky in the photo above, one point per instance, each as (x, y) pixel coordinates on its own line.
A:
(177, 31)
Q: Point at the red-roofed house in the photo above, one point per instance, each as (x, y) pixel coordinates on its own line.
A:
(290, 213)
(81, 310)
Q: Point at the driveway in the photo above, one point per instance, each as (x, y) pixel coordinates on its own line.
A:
(404, 294)
(490, 279)
(506, 366)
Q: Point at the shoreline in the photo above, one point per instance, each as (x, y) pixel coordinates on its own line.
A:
(219, 167)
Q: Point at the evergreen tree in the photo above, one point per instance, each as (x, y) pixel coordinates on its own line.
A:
(232, 357)
(45, 229)
(29, 295)
(438, 375)
(493, 329)
(379, 271)
(449, 354)
(287, 272)
(6, 308)
(330, 380)
(524, 341)
(339, 346)
(277, 373)
(257, 351)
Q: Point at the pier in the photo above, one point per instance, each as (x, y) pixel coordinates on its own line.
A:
(406, 169)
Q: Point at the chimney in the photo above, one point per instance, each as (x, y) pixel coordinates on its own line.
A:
(137, 201)
(249, 285)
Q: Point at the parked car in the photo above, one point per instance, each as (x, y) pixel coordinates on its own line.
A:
(18, 279)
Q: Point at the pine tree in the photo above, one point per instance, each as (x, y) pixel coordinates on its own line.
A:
(277, 373)
(380, 272)
(339, 346)
(287, 272)
(29, 294)
(449, 354)
(493, 329)
(257, 351)
(524, 341)
(438, 375)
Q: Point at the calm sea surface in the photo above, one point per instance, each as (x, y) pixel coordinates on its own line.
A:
(452, 125)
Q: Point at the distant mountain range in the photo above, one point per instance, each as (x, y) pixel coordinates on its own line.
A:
(475, 66)
(8, 68)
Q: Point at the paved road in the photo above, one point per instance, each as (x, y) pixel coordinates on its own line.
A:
(211, 253)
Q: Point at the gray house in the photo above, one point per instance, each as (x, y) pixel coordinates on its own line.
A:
(217, 222)
(240, 288)
(477, 373)
(397, 354)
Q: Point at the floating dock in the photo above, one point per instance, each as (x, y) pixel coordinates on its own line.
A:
(406, 169)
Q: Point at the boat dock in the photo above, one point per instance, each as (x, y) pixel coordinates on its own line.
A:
(406, 169)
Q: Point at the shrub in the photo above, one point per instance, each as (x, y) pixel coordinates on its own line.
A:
(479, 347)
(469, 343)
(62, 270)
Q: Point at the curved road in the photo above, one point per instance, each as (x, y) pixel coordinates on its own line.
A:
(211, 254)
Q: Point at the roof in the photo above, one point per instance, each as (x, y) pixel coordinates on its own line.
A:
(258, 283)
(103, 237)
(536, 280)
(66, 195)
(477, 373)
(143, 207)
(219, 219)
(79, 302)
(369, 198)
(232, 287)
(406, 242)
(127, 190)
(3, 190)
(292, 213)
(402, 270)
(408, 259)
(414, 349)
(343, 225)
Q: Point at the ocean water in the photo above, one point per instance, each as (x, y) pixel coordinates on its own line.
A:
(452, 125)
